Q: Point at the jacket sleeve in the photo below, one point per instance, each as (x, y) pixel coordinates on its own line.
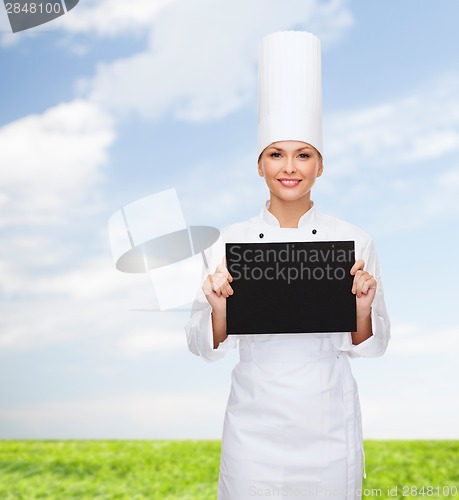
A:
(199, 327)
(375, 345)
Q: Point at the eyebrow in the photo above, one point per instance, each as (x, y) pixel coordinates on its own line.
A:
(296, 150)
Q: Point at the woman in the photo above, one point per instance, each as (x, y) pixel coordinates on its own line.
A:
(292, 425)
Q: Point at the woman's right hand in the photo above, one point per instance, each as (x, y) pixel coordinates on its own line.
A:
(217, 288)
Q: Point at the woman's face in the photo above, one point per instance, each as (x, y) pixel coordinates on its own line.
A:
(290, 169)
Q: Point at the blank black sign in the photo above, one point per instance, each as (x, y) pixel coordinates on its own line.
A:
(291, 287)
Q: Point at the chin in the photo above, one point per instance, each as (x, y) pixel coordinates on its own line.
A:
(292, 197)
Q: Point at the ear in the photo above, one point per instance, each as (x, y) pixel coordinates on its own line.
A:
(320, 170)
(260, 170)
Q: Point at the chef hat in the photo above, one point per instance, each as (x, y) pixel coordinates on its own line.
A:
(289, 89)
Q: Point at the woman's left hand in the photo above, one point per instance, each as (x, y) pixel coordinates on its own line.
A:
(364, 287)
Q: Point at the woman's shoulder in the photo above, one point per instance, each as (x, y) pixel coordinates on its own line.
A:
(341, 229)
(236, 228)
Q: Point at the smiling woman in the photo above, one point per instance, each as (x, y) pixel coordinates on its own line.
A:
(292, 423)
(290, 169)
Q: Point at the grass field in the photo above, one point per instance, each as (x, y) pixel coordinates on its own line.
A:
(167, 470)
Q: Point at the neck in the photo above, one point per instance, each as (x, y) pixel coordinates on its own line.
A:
(288, 213)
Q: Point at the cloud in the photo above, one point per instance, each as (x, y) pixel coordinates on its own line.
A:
(58, 297)
(445, 192)
(409, 396)
(126, 416)
(38, 321)
(403, 151)
(99, 18)
(198, 65)
(418, 415)
(7, 37)
(111, 18)
(417, 200)
(413, 341)
(405, 132)
(237, 191)
(195, 68)
(95, 278)
(87, 299)
(406, 394)
(374, 153)
(145, 341)
(51, 162)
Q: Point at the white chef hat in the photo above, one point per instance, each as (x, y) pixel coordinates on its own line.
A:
(289, 89)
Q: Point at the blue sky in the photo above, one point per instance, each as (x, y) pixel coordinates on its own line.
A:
(110, 103)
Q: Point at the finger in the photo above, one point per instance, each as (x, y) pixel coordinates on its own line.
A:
(206, 286)
(215, 283)
(358, 265)
(220, 284)
(360, 280)
(357, 277)
(364, 278)
(370, 283)
(230, 278)
(224, 289)
(222, 269)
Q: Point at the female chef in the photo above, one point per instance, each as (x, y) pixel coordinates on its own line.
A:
(292, 426)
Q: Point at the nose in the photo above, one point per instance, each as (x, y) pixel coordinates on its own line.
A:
(289, 166)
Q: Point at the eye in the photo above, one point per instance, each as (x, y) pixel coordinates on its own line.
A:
(275, 155)
(304, 155)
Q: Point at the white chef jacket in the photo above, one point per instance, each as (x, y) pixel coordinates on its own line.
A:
(292, 423)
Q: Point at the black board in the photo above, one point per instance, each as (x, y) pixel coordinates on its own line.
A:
(291, 287)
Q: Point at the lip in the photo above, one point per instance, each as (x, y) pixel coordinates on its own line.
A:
(289, 183)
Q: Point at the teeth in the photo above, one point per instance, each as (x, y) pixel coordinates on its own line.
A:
(289, 183)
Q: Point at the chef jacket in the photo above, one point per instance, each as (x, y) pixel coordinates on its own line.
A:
(312, 226)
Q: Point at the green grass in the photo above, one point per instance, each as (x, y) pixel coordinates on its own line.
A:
(406, 464)
(169, 470)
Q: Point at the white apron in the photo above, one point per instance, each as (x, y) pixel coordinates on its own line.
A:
(292, 426)
(292, 423)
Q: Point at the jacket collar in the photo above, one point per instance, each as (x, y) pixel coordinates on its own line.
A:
(267, 217)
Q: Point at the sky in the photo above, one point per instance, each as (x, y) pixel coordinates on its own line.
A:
(116, 101)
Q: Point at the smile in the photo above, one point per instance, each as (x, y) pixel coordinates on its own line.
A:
(289, 182)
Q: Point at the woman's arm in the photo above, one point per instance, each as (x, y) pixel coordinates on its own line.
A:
(219, 327)
(364, 328)
(217, 289)
(364, 288)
